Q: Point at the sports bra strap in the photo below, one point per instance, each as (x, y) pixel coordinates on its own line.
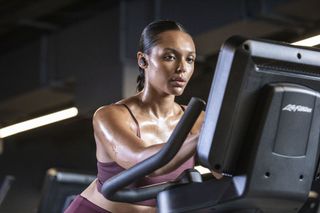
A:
(182, 107)
(134, 119)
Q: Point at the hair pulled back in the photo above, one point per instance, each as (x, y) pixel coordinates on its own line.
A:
(150, 37)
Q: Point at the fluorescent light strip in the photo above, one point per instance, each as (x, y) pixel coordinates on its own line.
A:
(309, 42)
(202, 170)
(37, 122)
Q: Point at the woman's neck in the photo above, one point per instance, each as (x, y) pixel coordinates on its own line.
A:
(160, 106)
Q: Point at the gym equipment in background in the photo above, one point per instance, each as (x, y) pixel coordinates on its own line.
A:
(60, 188)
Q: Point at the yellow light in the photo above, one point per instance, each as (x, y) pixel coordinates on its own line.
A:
(308, 42)
(37, 122)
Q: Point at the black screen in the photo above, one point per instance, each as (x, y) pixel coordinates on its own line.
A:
(243, 87)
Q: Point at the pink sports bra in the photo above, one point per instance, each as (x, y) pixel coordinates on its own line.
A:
(110, 169)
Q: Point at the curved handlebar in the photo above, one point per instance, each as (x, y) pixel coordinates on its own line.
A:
(114, 188)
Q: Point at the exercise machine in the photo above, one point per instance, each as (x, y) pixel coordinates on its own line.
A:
(261, 131)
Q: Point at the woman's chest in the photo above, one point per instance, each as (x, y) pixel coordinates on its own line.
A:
(156, 131)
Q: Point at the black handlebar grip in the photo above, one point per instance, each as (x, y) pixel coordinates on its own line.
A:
(114, 188)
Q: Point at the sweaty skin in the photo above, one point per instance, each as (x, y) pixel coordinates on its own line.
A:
(168, 68)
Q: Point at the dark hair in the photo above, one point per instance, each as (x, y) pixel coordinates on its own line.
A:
(150, 37)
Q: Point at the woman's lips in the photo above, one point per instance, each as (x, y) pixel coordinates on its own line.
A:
(178, 82)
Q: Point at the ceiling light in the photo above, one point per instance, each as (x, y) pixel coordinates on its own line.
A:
(308, 42)
(37, 122)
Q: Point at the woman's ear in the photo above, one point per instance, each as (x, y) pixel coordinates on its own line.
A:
(142, 61)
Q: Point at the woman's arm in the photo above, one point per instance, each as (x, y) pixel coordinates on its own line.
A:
(114, 132)
(187, 150)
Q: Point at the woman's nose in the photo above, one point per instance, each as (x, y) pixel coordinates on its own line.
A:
(181, 66)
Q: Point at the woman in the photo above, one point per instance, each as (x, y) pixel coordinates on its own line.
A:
(136, 128)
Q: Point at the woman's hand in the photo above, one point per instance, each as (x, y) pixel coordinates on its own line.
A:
(217, 175)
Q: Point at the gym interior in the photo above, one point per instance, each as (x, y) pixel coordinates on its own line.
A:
(58, 55)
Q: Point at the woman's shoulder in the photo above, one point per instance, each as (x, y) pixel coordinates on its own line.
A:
(197, 126)
(201, 116)
(108, 109)
(117, 109)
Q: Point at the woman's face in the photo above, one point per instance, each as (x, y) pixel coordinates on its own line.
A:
(170, 63)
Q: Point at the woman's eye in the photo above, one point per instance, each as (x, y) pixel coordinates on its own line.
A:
(170, 57)
(190, 60)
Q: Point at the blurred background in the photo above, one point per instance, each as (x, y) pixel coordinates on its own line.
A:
(56, 54)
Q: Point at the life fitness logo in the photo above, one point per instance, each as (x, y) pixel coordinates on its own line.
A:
(296, 108)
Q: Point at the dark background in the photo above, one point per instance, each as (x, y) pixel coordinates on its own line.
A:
(60, 53)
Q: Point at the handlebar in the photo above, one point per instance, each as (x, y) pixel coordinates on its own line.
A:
(114, 188)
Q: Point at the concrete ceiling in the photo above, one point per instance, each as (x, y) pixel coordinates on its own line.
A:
(21, 22)
(286, 22)
(24, 21)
